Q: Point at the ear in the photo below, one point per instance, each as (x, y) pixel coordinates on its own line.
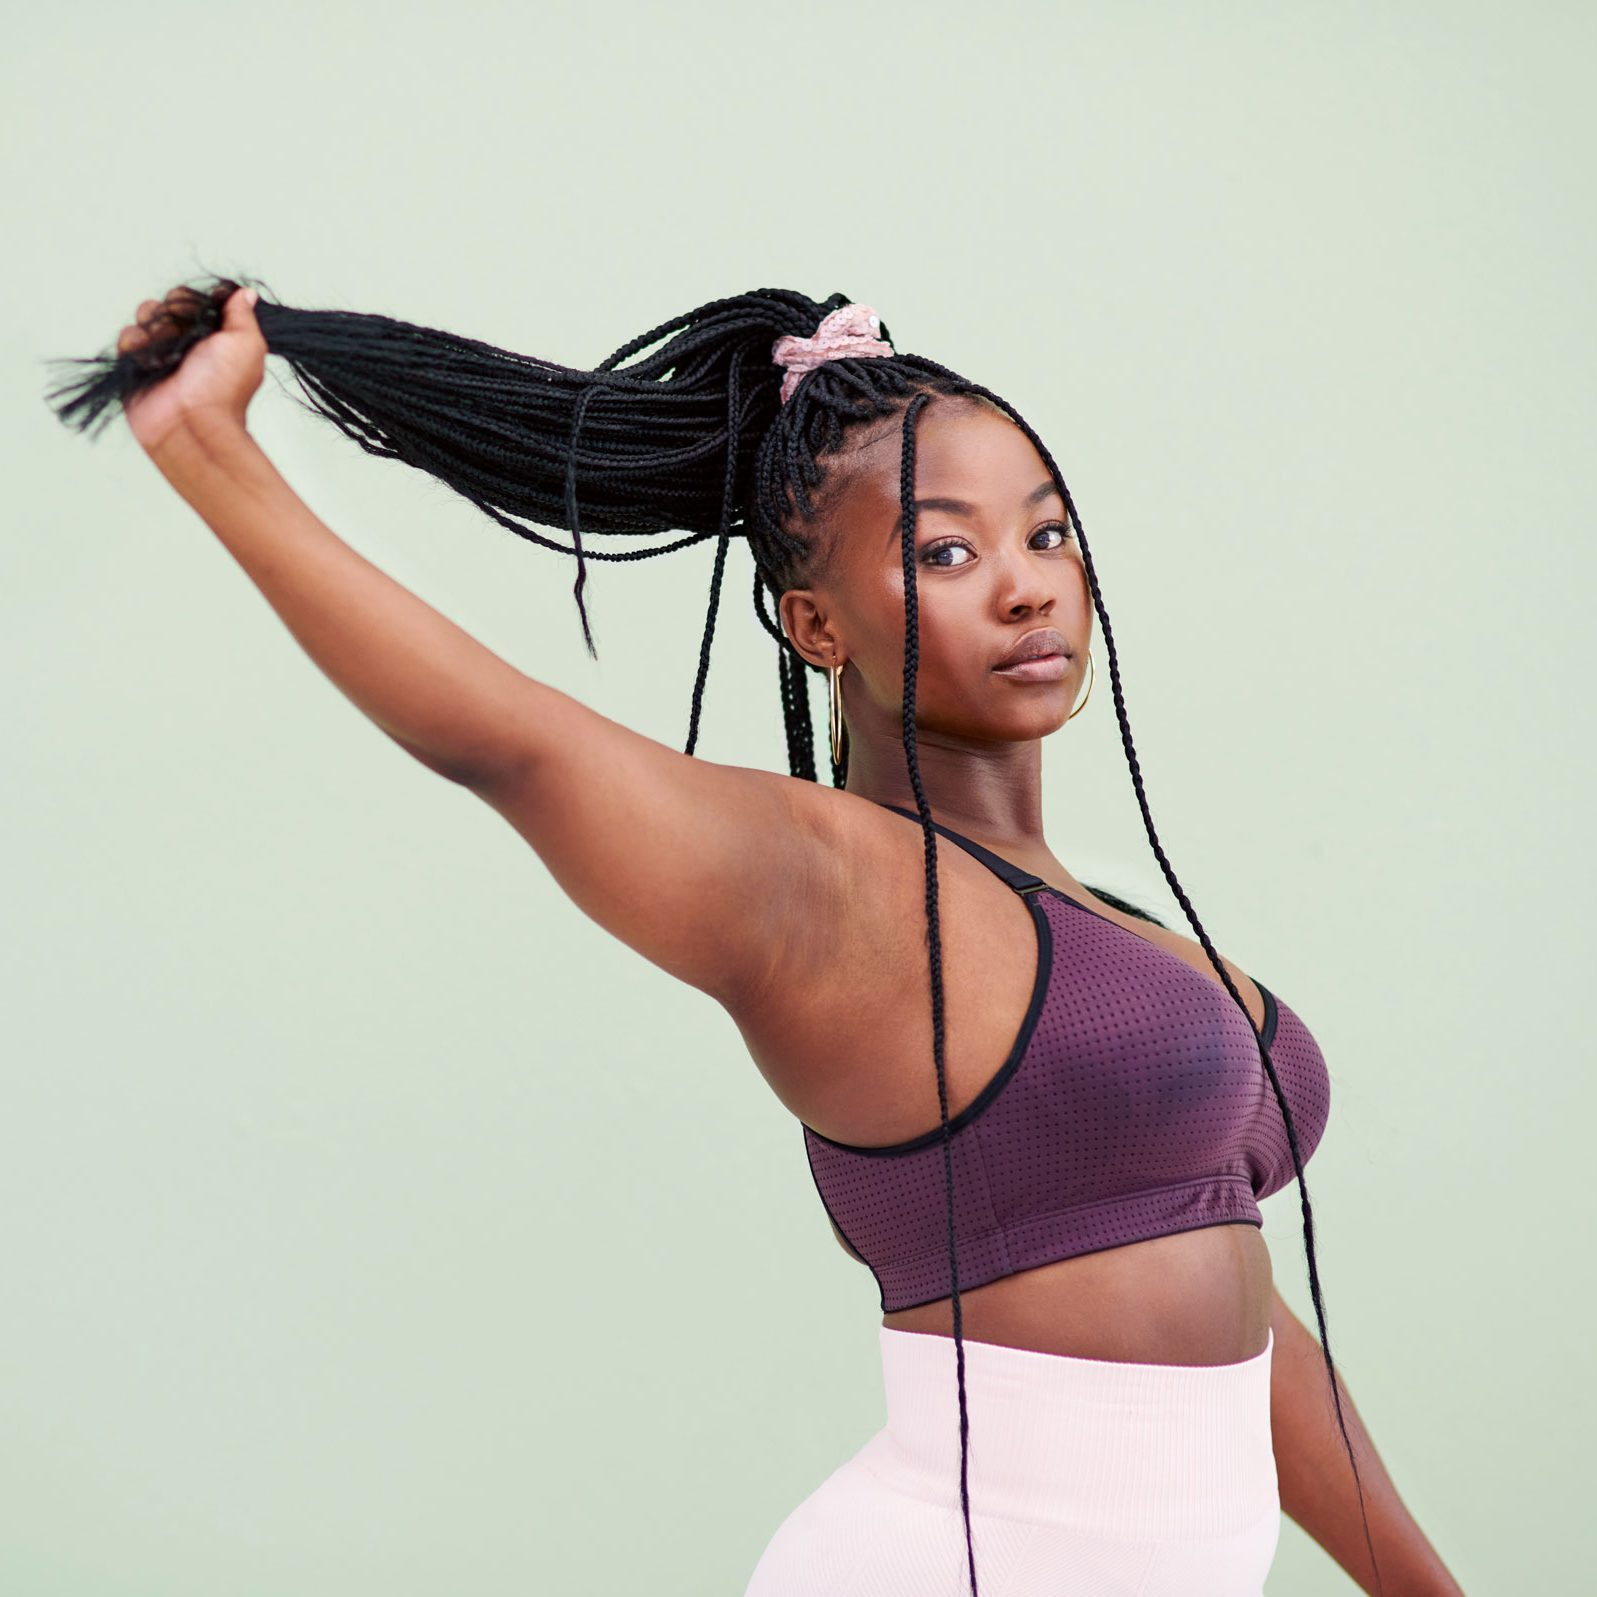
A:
(808, 627)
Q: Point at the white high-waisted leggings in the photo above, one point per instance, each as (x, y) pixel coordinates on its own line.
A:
(1087, 1478)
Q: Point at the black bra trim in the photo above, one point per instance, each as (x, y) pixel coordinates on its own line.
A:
(1272, 1013)
(1017, 1052)
(1025, 882)
(1021, 881)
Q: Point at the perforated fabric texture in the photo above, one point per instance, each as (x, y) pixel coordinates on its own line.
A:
(1133, 1104)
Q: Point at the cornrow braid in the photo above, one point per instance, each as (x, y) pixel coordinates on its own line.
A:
(690, 438)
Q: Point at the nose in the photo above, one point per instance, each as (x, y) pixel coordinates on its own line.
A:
(1024, 587)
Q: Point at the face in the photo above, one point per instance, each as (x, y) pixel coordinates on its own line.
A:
(996, 558)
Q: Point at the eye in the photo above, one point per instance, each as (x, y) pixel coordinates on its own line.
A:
(947, 546)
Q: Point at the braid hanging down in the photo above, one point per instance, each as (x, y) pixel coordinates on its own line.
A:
(692, 438)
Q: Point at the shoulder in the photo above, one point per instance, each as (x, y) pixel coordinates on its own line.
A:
(853, 903)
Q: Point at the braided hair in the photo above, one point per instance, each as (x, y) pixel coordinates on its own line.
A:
(689, 437)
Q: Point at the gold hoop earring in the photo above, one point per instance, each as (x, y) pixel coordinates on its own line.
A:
(835, 711)
(1092, 676)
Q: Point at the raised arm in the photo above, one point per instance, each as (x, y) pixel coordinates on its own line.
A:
(432, 687)
(710, 871)
(1317, 1489)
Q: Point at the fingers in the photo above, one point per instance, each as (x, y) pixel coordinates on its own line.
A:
(156, 317)
(134, 334)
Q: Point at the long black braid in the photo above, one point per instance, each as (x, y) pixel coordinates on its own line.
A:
(691, 438)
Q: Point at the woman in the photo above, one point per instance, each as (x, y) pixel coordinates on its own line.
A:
(1091, 1384)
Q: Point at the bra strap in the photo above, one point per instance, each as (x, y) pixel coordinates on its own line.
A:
(1021, 881)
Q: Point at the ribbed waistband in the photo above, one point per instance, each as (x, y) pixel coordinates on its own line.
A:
(1132, 1450)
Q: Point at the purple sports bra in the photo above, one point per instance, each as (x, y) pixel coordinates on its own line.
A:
(1133, 1104)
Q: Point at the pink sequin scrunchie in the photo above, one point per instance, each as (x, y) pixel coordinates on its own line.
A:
(847, 332)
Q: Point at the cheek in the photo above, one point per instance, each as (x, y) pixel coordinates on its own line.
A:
(1078, 587)
(934, 605)
(875, 627)
(956, 636)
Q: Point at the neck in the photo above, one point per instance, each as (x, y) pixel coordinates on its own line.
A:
(991, 792)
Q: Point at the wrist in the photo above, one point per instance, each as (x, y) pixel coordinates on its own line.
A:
(207, 425)
(200, 444)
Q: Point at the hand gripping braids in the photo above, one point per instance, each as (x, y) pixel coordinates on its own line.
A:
(727, 430)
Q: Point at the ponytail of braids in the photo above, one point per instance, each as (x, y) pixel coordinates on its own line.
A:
(691, 438)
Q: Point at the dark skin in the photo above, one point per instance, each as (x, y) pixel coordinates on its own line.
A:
(984, 580)
(815, 946)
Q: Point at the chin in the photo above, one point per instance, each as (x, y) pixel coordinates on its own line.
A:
(1019, 723)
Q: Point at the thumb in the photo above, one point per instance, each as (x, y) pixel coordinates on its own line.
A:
(238, 314)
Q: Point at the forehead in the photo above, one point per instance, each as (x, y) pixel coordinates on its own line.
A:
(967, 453)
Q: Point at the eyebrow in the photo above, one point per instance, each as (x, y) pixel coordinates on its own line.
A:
(961, 507)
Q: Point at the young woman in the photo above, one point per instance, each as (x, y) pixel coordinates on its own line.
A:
(1092, 1386)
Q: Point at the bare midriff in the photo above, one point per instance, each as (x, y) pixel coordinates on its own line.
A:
(1196, 1297)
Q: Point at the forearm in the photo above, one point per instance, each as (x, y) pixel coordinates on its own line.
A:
(432, 687)
(1316, 1480)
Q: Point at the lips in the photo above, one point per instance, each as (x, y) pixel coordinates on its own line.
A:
(1035, 645)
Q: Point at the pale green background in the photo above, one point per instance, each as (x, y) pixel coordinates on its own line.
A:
(373, 1222)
